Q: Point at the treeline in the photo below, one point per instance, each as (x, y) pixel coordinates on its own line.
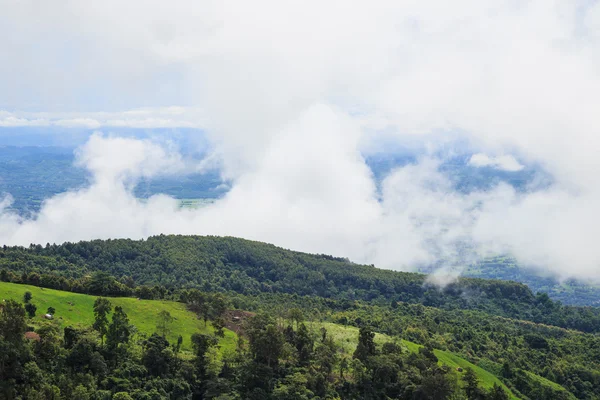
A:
(223, 264)
(510, 349)
(98, 283)
(274, 361)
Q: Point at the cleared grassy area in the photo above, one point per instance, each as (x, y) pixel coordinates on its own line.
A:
(77, 310)
(545, 382)
(347, 339)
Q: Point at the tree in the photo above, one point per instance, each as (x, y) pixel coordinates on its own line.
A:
(102, 283)
(48, 348)
(507, 371)
(497, 393)
(435, 386)
(119, 329)
(304, 345)
(164, 322)
(218, 326)
(471, 384)
(202, 343)
(80, 393)
(179, 343)
(157, 357)
(344, 364)
(102, 308)
(294, 388)
(266, 340)
(27, 296)
(12, 322)
(71, 335)
(122, 396)
(31, 309)
(51, 310)
(366, 344)
(296, 315)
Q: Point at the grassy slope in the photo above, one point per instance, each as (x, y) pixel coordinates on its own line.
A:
(142, 313)
(347, 337)
(76, 309)
(545, 382)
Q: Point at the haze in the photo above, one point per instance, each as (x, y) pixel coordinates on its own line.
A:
(293, 96)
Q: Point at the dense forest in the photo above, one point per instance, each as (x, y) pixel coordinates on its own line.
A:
(538, 348)
(248, 267)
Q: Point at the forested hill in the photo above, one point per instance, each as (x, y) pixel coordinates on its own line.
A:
(248, 267)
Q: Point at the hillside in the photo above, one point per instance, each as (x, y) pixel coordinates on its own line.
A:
(73, 309)
(235, 265)
(535, 346)
(571, 292)
(77, 310)
(347, 338)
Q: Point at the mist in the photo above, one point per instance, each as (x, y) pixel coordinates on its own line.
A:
(290, 97)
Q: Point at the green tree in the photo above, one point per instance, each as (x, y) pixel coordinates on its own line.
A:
(344, 365)
(102, 283)
(435, 386)
(48, 348)
(219, 326)
(366, 344)
(294, 387)
(27, 296)
(179, 343)
(70, 336)
(119, 329)
(102, 308)
(266, 340)
(51, 310)
(12, 321)
(471, 384)
(122, 396)
(158, 357)
(80, 393)
(296, 316)
(163, 323)
(497, 393)
(202, 343)
(304, 344)
(31, 309)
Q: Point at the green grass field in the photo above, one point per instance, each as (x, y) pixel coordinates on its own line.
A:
(77, 310)
(545, 382)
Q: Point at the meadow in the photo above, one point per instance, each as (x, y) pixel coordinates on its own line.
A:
(77, 310)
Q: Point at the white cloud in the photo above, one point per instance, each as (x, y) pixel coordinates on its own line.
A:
(291, 92)
(505, 162)
(163, 117)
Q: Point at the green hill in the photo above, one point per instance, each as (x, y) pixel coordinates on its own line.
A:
(77, 310)
(571, 292)
(347, 339)
(539, 347)
(247, 267)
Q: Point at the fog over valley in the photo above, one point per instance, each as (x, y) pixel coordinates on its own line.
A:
(401, 135)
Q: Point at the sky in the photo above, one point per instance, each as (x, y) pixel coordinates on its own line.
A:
(291, 95)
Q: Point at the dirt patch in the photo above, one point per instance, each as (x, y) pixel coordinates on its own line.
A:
(32, 336)
(235, 320)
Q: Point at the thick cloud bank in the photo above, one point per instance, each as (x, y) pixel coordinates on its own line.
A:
(290, 94)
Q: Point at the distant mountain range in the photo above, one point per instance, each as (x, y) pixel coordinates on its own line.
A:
(569, 292)
(31, 174)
